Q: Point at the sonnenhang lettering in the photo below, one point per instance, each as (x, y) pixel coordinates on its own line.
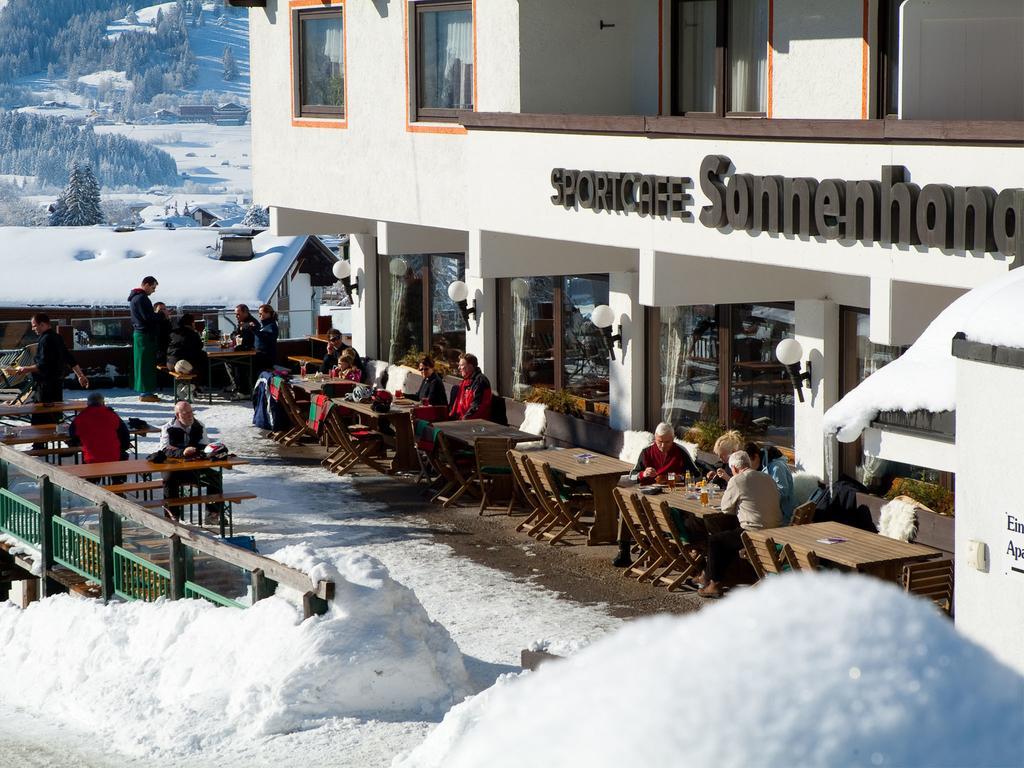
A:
(890, 211)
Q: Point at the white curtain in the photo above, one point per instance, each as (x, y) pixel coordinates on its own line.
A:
(334, 46)
(447, 59)
(520, 318)
(397, 314)
(698, 22)
(748, 55)
(674, 357)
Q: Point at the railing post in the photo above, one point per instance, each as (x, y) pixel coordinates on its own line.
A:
(49, 507)
(109, 538)
(3, 472)
(262, 587)
(313, 605)
(177, 568)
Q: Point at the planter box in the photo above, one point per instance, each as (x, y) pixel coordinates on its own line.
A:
(568, 431)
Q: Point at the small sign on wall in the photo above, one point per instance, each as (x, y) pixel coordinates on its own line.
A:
(1014, 548)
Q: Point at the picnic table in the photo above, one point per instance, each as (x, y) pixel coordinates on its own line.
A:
(145, 467)
(468, 430)
(682, 500)
(224, 356)
(48, 433)
(850, 548)
(31, 409)
(399, 418)
(316, 386)
(601, 474)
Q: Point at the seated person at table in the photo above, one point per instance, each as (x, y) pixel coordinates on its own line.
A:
(664, 455)
(187, 345)
(725, 446)
(473, 395)
(244, 340)
(101, 432)
(431, 391)
(754, 499)
(184, 437)
(771, 461)
(346, 368)
(335, 346)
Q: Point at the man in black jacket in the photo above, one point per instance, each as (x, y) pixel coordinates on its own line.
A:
(335, 346)
(163, 332)
(184, 437)
(144, 339)
(431, 391)
(51, 361)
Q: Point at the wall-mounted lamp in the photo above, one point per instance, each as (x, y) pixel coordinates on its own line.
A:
(459, 293)
(789, 353)
(342, 270)
(603, 317)
(398, 266)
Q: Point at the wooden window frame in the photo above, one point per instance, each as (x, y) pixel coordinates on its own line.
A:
(884, 108)
(319, 111)
(722, 8)
(426, 276)
(433, 114)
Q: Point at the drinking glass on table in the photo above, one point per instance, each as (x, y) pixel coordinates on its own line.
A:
(399, 394)
(705, 495)
(671, 481)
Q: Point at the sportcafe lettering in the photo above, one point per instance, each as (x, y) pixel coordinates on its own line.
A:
(890, 211)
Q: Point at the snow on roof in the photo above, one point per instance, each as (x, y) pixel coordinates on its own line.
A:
(95, 266)
(923, 378)
(801, 670)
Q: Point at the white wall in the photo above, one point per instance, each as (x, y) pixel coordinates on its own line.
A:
(990, 605)
(817, 330)
(818, 59)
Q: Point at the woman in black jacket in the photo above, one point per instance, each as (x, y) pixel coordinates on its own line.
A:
(432, 390)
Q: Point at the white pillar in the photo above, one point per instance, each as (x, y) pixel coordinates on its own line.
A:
(817, 330)
(481, 338)
(626, 372)
(363, 257)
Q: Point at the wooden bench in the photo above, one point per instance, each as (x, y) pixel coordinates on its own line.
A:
(146, 487)
(184, 385)
(227, 499)
(57, 453)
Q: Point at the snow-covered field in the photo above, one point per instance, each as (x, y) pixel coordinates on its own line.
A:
(490, 616)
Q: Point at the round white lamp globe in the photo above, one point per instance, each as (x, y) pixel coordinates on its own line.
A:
(520, 288)
(458, 291)
(342, 269)
(398, 267)
(602, 316)
(789, 352)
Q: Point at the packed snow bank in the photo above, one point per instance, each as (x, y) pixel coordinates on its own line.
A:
(802, 670)
(923, 378)
(179, 677)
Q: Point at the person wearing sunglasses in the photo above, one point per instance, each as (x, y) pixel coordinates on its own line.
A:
(431, 391)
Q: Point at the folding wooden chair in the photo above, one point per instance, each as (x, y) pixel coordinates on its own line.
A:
(763, 555)
(804, 561)
(525, 488)
(645, 534)
(564, 516)
(456, 468)
(932, 579)
(300, 427)
(644, 555)
(492, 468)
(803, 514)
(16, 388)
(351, 447)
(683, 558)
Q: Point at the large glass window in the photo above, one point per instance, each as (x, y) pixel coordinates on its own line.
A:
(444, 60)
(548, 339)
(688, 364)
(761, 394)
(320, 61)
(416, 313)
(720, 57)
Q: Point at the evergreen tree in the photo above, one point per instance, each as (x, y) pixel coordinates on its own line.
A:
(131, 17)
(230, 67)
(256, 217)
(79, 205)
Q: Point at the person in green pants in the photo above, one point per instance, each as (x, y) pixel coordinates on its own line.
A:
(144, 340)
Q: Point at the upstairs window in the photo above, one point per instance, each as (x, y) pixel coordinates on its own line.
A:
(443, 60)
(319, 59)
(719, 54)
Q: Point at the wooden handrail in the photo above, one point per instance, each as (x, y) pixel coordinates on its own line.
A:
(190, 537)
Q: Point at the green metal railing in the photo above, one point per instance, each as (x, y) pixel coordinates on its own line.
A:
(20, 518)
(102, 558)
(77, 549)
(195, 591)
(138, 579)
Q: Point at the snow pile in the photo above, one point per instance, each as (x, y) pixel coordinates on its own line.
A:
(113, 78)
(803, 670)
(180, 677)
(923, 378)
(113, 267)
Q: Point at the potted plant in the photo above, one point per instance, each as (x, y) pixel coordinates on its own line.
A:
(704, 434)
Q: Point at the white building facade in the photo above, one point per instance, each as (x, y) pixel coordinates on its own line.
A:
(722, 173)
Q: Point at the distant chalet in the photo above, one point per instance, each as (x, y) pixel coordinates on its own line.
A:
(230, 113)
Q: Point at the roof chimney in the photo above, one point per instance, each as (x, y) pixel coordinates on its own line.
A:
(236, 248)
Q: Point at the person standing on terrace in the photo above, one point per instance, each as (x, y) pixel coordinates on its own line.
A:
(144, 339)
(473, 396)
(47, 370)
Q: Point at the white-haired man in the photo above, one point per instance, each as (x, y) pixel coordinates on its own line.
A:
(753, 497)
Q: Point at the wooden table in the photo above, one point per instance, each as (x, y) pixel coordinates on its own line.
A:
(47, 433)
(315, 387)
(601, 474)
(861, 551)
(679, 499)
(224, 356)
(307, 359)
(144, 467)
(469, 430)
(398, 417)
(30, 409)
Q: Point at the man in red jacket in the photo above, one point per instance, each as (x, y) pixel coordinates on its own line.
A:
(100, 432)
(473, 396)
